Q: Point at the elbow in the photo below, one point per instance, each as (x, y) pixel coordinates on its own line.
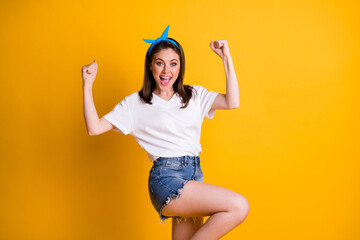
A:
(92, 133)
(233, 103)
(234, 106)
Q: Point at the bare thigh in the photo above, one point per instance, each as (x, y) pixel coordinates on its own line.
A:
(203, 199)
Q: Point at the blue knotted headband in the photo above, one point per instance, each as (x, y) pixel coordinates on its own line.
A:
(163, 37)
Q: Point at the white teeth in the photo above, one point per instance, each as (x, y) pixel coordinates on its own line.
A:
(165, 77)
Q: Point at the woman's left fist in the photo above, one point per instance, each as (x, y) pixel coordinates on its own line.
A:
(220, 47)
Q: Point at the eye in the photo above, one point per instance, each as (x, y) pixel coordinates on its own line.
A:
(158, 63)
(174, 64)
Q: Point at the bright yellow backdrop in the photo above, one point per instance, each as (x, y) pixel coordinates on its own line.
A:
(292, 148)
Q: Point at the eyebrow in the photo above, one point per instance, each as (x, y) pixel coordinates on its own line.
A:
(163, 60)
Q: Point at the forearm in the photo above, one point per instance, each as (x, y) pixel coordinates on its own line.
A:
(232, 88)
(90, 114)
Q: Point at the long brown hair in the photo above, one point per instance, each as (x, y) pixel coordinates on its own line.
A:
(185, 91)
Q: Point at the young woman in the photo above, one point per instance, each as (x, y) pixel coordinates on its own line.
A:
(165, 118)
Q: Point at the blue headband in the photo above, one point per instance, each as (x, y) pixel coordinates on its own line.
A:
(162, 38)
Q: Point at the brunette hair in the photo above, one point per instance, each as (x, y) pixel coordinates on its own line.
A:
(185, 91)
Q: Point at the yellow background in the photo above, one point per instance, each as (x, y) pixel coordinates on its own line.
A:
(292, 148)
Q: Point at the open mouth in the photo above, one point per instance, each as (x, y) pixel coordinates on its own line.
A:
(165, 80)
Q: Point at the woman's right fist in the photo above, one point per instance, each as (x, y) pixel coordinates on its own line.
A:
(89, 72)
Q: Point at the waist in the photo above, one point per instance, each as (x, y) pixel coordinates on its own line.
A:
(184, 159)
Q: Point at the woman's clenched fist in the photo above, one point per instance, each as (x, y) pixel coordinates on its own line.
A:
(220, 47)
(89, 72)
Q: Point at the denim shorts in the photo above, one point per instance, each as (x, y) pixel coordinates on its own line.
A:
(167, 178)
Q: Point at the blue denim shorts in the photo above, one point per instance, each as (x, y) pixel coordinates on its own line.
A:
(167, 178)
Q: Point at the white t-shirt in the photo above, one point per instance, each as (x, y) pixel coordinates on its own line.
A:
(162, 128)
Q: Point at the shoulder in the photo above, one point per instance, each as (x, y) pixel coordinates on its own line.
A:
(134, 95)
(131, 99)
(199, 89)
(195, 86)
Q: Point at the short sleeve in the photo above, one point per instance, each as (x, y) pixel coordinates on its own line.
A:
(206, 99)
(120, 117)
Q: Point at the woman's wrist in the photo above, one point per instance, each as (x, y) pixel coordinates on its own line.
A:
(226, 57)
(87, 85)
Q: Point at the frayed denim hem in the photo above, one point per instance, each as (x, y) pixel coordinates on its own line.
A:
(169, 198)
(179, 219)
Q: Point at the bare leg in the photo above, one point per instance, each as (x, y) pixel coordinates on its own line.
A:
(227, 209)
(184, 229)
(217, 226)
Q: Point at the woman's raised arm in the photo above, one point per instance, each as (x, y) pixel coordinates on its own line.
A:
(231, 99)
(94, 125)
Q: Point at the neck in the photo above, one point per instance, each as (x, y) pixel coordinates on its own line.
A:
(164, 93)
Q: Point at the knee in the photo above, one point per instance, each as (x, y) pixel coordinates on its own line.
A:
(240, 208)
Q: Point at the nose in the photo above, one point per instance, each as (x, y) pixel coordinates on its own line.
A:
(166, 68)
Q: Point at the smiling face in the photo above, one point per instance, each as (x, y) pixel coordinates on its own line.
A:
(165, 68)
